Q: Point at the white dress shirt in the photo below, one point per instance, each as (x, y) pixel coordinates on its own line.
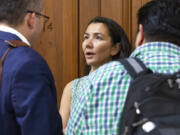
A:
(13, 31)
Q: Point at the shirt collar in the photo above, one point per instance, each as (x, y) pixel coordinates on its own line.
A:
(13, 31)
(156, 47)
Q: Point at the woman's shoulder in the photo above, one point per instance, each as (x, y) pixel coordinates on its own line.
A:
(72, 83)
(69, 84)
(77, 81)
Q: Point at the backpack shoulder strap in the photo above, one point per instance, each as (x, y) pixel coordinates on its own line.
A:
(134, 66)
(12, 44)
(16, 43)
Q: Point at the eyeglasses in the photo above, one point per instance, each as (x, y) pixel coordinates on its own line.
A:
(39, 14)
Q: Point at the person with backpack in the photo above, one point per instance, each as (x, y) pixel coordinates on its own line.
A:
(157, 47)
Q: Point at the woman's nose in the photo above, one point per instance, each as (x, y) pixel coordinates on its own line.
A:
(89, 43)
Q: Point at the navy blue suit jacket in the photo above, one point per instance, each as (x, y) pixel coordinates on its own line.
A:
(28, 103)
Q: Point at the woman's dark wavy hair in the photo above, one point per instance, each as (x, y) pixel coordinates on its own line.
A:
(14, 11)
(117, 35)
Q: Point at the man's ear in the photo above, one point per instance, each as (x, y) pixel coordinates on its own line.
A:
(31, 20)
(140, 36)
(115, 49)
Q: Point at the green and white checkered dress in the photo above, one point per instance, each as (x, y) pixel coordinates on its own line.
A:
(98, 99)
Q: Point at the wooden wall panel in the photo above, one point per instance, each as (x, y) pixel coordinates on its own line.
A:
(88, 9)
(120, 11)
(145, 1)
(127, 17)
(49, 43)
(112, 9)
(58, 43)
(69, 48)
(135, 6)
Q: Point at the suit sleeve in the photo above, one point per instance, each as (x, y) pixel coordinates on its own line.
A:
(33, 96)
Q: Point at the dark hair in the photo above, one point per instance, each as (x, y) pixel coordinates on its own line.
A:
(161, 20)
(14, 11)
(117, 35)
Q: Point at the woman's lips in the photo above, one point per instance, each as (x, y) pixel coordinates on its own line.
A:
(89, 55)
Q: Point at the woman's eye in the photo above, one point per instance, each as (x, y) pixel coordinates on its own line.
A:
(85, 37)
(99, 37)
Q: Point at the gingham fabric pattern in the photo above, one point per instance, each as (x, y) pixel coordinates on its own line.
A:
(77, 106)
(98, 99)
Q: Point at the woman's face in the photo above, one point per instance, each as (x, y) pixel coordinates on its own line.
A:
(97, 45)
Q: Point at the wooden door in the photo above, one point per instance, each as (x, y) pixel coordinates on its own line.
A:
(60, 42)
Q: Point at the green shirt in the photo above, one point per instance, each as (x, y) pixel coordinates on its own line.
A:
(97, 108)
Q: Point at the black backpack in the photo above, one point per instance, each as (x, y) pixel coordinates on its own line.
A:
(152, 105)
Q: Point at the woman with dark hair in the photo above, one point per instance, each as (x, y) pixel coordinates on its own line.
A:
(104, 41)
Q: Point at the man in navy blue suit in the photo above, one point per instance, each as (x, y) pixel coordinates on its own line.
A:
(28, 103)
